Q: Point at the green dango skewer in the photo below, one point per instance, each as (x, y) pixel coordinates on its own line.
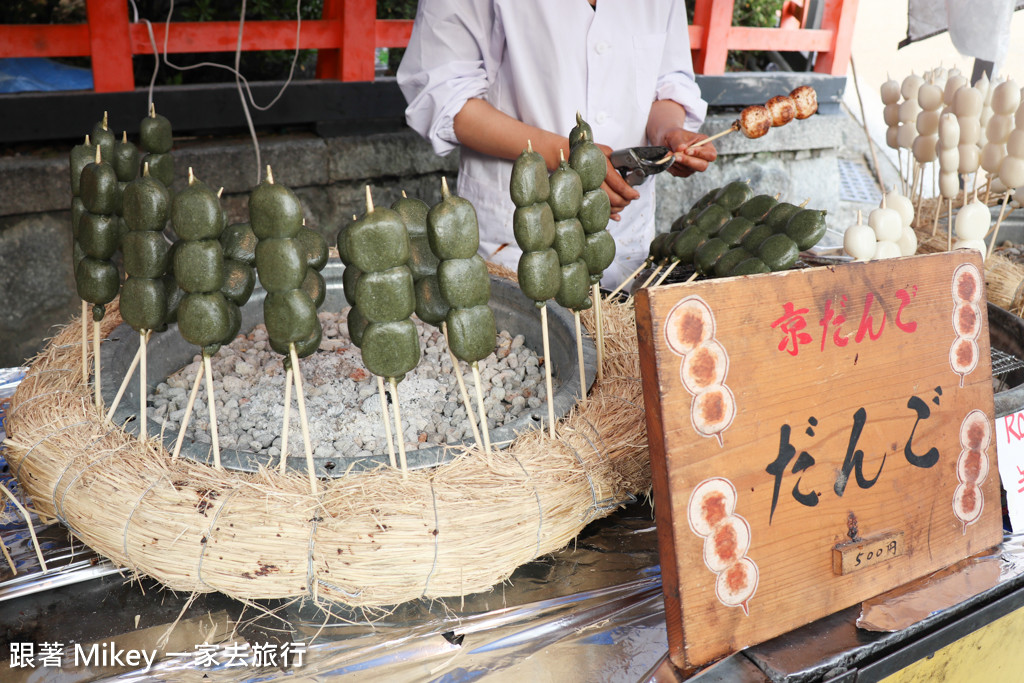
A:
(379, 246)
(464, 283)
(533, 224)
(357, 325)
(275, 216)
(566, 199)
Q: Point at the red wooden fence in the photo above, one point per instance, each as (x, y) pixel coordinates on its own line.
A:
(347, 43)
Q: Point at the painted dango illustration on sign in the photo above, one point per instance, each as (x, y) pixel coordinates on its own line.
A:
(712, 516)
(972, 467)
(690, 333)
(836, 397)
(968, 286)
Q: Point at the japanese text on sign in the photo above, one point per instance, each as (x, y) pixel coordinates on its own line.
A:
(854, 461)
(793, 323)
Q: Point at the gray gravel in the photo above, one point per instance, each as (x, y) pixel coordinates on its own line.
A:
(342, 402)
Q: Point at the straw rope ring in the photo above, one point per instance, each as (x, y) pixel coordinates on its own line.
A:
(367, 539)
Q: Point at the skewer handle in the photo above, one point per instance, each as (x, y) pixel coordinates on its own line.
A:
(297, 374)
(387, 422)
(188, 412)
(283, 465)
(399, 435)
(463, 392)
(731, 129)
(480, 406)
(212, 401)
(547, 366)
(629, 278)
(579, 358)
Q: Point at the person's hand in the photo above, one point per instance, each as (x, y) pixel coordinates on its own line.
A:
(619, 192)
(688, 160)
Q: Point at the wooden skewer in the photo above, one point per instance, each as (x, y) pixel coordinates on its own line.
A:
(579, 358)
(668, 271)
(31, 527)
(399, 435)
(188, 412)
(96, 364)
(143, 389)
(920, 193)
(282, 466)
(297, 373)
(463, 392)
(913, 181)
(212, 401)
(949, 227)
(731, 129)
(547, 365)
(629, 278)
(899, 165)
(995, 230)
(599, 322)
(653, 275)
(387, 421)
(7, 556)
(85, 342)
(124, 385)
(480, 406)
(935, 218)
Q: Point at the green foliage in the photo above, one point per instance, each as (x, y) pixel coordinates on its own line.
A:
(756, 12)
(42, 11)
(396, 9)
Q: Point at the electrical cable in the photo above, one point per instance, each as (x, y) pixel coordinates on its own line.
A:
(247, 98)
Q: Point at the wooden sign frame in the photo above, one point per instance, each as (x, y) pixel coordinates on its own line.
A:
(817, 437)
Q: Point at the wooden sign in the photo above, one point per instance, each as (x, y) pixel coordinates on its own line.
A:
(817, 437)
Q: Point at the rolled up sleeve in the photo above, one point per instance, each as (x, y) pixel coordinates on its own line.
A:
(448, 62)
(676, 81)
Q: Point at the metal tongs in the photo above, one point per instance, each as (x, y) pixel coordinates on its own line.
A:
(637, 163)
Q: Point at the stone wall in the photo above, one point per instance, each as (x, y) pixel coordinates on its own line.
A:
(329, 175)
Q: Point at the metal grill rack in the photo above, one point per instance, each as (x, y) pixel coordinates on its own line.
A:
(1004, 363)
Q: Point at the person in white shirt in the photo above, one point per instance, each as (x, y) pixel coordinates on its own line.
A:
(491, 74)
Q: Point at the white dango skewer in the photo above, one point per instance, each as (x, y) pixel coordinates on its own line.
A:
(972, 222)
(967, 105)
(903, 206)
(890, 92)
(859, 240)
(949, 163)
(1005, 102)
(888, 227)
(929, 99)
(954, 82)
(908, 120)
(987, 88)
(1011, 175)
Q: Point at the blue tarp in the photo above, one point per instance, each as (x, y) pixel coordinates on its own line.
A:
(34, 74)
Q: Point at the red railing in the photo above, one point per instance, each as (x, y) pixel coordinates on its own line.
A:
(347, 44)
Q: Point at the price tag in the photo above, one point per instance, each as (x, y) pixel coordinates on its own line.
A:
(1010, 455)
(864, 553)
